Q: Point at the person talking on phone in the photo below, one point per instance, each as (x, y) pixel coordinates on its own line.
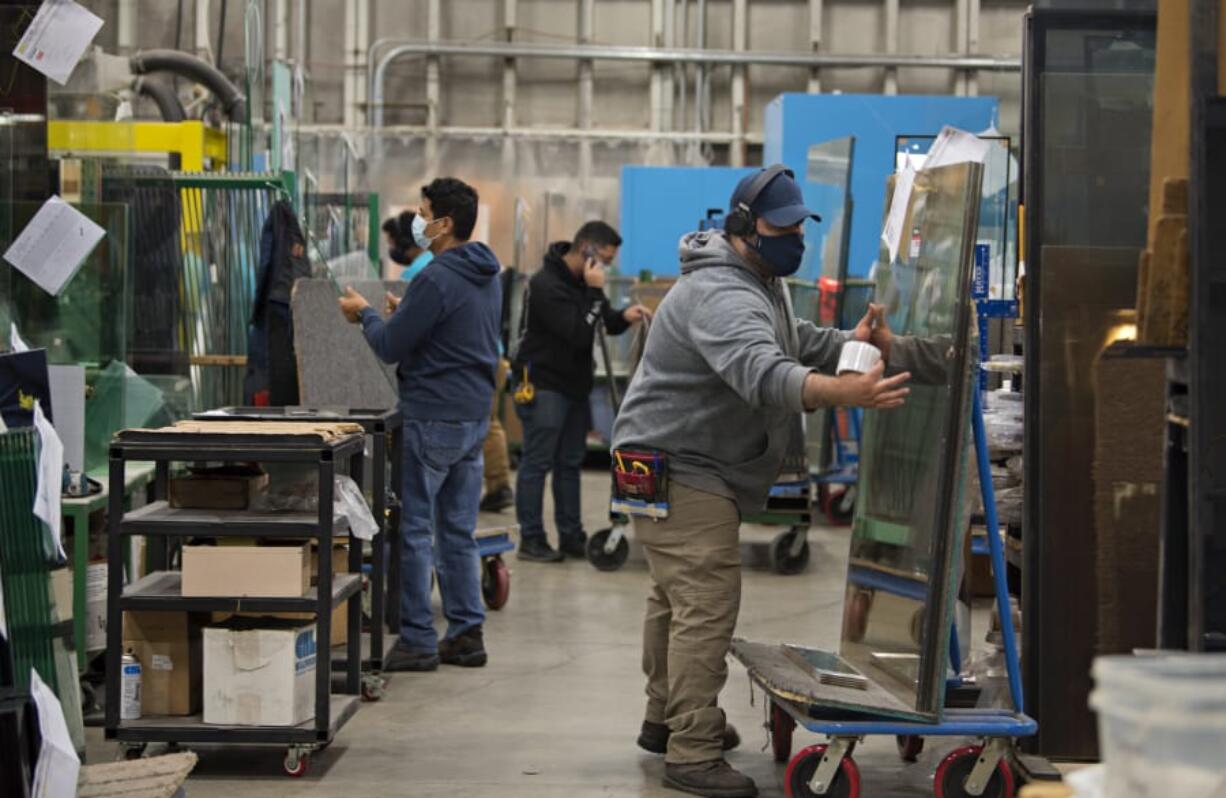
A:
(553, 374)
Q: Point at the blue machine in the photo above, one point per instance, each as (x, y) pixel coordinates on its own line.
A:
(659, 204)
(795, 122)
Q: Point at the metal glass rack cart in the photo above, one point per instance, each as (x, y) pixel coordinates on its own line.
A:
(160, 591)
(973, 770)
(386, 429)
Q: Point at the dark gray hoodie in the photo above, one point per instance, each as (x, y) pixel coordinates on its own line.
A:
(720, 386)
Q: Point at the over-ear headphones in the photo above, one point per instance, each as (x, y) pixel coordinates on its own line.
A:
(740, 220)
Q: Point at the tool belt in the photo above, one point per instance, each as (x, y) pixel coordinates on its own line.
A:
(640, 483)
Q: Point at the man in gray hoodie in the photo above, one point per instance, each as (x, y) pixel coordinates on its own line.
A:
(725, 376)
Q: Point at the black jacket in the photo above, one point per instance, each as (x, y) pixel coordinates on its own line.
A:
(561, 325)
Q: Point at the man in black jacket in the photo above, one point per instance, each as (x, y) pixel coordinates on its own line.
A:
(565, 303)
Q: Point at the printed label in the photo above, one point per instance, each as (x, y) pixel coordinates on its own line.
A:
(161, 662)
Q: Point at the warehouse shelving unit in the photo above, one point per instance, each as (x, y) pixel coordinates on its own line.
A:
(160, 590)
(386, 430)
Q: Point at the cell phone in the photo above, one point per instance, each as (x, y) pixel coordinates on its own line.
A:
(589, 253)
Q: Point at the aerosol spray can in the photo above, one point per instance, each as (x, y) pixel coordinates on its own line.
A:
(129, 684)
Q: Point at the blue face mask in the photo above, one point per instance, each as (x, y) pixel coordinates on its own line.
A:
(419, 232)
(782, 253)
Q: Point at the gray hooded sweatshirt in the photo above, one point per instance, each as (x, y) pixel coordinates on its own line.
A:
(719, 389)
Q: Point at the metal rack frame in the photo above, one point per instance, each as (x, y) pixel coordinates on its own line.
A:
(159, 591)
(385, 505)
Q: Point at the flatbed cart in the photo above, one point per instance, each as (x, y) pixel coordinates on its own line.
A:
(385, 428)
(980, 770)
(492, 543)
(161, 590)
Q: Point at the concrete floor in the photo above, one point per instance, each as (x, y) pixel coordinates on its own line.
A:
(556, 711)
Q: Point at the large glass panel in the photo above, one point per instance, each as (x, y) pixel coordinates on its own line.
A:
(906, 530)
(828, 192)
(86, 323)
(997, 209)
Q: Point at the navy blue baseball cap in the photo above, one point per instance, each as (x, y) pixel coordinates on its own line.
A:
(780, 202)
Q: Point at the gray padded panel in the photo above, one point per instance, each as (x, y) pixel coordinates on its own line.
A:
(335, 364)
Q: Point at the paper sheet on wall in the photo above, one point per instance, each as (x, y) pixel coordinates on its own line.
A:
(953, 146)
(54, 244)
(50, 476)
(59, 767)
(892, 232)
(57, 37)
(17, 343)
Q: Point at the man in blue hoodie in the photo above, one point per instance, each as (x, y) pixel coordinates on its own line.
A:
(443, 338)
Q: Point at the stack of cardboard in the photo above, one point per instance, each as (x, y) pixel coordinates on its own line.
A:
(1163, 277)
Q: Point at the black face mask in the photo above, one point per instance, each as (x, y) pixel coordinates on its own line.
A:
(782, 253)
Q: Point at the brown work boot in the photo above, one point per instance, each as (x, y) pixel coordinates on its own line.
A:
(714, 779)
(653, 737)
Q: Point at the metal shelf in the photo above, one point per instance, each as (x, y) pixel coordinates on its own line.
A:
(230, 447)
(161, 591)
(193, 729)
(159, 518)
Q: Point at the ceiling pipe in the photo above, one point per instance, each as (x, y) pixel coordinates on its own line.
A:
(436, 49)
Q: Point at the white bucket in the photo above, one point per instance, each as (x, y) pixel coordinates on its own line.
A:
(1162, 725)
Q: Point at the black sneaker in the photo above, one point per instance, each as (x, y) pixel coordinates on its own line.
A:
(714, 779)
(538, 550)
(466, 650)
(401, 659)
(653, 738)
(574, 546)
(498, 500)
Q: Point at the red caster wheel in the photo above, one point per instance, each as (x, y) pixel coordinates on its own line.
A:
(855, 621)
(910, 746)
(800, 772)
(954, 769)
(495, 583)
(373, 687)
(296, 764)
(839, 507)
(782, 726)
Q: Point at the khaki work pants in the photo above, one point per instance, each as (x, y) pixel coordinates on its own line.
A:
(497, 463)
(695, 562)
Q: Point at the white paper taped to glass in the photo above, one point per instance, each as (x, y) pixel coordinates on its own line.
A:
(857, 357)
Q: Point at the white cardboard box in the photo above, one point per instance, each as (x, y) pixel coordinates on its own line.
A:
(259, 672)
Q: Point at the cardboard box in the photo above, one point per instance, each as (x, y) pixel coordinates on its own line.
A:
(259, 672)
(217, 490)
(264, 571)
(340, 615)
(169, 648)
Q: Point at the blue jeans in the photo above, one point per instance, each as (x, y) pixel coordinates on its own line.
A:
(555, 438)
(442, 491)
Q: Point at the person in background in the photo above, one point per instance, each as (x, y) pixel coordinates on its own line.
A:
(565, 302)
(498, 495)
(443, 337)
(403, 247)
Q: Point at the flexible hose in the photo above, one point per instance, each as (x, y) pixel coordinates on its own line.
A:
(163, 97)
(196, 69)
